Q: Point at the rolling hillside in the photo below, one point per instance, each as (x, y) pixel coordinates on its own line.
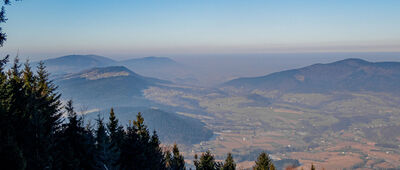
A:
(149, 62)
(76, 63)
(344, 75)
(106, 87)
(160, 67)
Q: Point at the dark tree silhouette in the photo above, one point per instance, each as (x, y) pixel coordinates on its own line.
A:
(229, 163)
(206, 162)
(264, 162)
(175, 161)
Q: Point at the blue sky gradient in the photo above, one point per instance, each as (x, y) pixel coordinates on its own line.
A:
(148, 27)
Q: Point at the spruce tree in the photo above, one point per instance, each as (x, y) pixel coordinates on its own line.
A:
(168, 160)
(141, 128)
(177, 161)
(206, 162)
(116, 131)
(18, 112)
(139, 149)
(105, 155)
(229, 163)
(116, 136)
(132, 153)
(135, 147)
(43, 108)
(263, 162)
(155, 154)
(11, 155)
(78, 144)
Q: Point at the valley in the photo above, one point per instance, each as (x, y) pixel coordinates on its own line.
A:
(360, 129)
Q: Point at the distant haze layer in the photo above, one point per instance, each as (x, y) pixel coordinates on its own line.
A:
(217, 68)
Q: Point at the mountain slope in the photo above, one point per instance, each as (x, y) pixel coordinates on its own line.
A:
(149, 62)
(170, 127)
(76, 63)
(159, 67)
(344, 75)
(106, 86)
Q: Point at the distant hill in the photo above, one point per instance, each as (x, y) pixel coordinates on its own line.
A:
(76, 63)
(158, 67)
(170, 127)
(106, 86)
(344, 75)
(149, 63)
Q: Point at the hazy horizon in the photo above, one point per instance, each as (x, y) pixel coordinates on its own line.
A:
(214, 69)
(145, 28)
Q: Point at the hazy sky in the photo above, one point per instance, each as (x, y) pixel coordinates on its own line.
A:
(124, 28)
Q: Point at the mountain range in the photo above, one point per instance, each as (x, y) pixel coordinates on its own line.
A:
(344, 75)
(159, 67)
(76, 63)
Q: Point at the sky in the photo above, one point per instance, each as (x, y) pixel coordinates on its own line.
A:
(131, 28)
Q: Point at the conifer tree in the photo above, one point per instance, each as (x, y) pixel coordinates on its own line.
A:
(19, 107)
(43, 106)
(139, 149)
(141, 128)
(132, 153)
(263, 162)
(78, 144)
(105, 155)
(177, 161)
(168, 160)
(11, 156)
(116, 136)
(116, 131)
(229, 163)
(155, 154)
(206, 162)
